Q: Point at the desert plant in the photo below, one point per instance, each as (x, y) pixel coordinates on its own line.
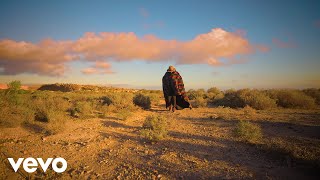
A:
(212, 93)
(248, 131)
(194, 94)
(154, 128)
(314, 93)
(230, 99)
(248, 112)
(154, 98)
(12, 93)
(124, 114)
(118, 100)
(256, 99)
(142, 101)
(81, 109)
(14, 85)
(13, 116)
(292, 99)
(199, 102)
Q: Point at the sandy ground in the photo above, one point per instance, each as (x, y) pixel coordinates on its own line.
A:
(199, 146)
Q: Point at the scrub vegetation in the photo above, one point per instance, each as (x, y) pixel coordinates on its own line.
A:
(128, 134)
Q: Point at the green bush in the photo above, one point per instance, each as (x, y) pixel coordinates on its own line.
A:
(256, 99)
(142, 101)
(14, 85)
(247, 131)
(154, 128)
(292, 99)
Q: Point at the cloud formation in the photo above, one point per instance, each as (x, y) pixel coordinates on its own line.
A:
(46, 57)
(49, 57)
(100, 67)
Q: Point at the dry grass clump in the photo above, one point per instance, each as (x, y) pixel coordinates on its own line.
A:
(49, 113)
(142, 101)
(249, 112)
(314, 93)
(118, 100)
(199, 102)
(292, 99)
(256, 99)
(123, 114)
(82, 109)
(195, 94)
(154, 128)
(14, 116)
(248, 131)
(13, 106)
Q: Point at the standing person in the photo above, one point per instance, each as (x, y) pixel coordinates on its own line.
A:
(173, 90)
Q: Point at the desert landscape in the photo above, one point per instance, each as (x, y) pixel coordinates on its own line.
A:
(87, 89)
(116, 133)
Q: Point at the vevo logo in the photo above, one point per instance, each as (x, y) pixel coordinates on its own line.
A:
(30, 164)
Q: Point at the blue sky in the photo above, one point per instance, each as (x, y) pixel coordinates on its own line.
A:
(290, 30)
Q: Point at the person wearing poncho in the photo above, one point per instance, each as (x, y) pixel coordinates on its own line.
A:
(173, 90)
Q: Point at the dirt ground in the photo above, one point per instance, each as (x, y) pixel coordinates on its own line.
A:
(200, 145)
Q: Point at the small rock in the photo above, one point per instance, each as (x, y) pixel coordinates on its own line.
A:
(43, 138)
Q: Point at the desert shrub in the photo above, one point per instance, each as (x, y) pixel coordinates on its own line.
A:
(154, 98)
(81, 109)
(12, 94)
(248, 112)
(13, 116)
(218, 97)
(292, 99)
(47, 109)
(194, 94)
(118, 100)
(256, 99)
(231, 99)
(247, 131)
(212, 93)
(314, 93)
(154, 128)
(14, 108)
(123, 114)
(14, 85)
(49, 114)
(214, 90)
(199, 102)
(142, 101)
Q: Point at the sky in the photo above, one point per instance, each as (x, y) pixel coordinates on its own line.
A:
(214, 43)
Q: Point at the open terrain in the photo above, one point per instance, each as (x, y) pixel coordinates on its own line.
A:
(200, 145)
